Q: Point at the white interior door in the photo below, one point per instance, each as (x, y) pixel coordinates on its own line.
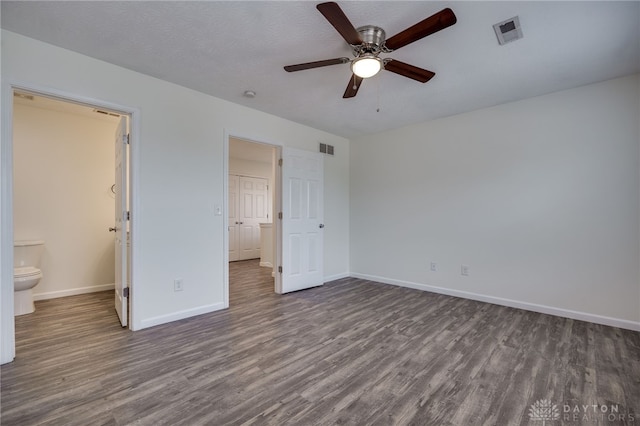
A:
(248, 207)
(121, 299)
(253, 210)
(302, 219)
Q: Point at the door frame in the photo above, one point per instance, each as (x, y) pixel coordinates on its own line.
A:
(7, 321)
(277, 206)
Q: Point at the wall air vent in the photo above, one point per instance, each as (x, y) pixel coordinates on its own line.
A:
(326, 149)
(508, 31)
(23, 96)
(112, 114)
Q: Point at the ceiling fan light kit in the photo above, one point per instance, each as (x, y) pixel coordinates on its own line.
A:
(369, 41)
(366, 65)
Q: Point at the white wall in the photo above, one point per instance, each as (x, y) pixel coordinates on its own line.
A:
(178, 174)
(540, 198)
(63, 167)
(238, 166)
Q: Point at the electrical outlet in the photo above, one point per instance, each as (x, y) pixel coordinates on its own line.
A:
(464, 270)
(434, 266)
(178, 285)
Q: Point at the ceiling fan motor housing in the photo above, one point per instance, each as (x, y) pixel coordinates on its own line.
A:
(372, 40)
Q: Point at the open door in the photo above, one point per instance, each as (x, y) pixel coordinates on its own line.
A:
(122, 291)
(302, 219)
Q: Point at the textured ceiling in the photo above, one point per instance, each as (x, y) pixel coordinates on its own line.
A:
(225, 48)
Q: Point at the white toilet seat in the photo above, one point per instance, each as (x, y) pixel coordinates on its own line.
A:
(25, 272)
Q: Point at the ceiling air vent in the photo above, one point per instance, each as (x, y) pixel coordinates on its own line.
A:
(326, 149)
(508, 31)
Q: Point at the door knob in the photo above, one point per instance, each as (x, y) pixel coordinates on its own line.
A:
(321, 226)
(113, 229)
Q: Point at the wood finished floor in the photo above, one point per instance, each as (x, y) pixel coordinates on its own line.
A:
(352, 352)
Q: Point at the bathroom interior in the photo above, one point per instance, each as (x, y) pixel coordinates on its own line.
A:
(63, 199)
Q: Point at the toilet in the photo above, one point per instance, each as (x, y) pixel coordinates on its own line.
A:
(26, 274)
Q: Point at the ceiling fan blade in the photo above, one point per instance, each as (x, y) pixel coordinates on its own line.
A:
(352, 88)
(439, 21)
(340, 22)
(316, 64)
(407, 70)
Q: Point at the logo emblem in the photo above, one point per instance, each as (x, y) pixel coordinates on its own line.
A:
(544, 410)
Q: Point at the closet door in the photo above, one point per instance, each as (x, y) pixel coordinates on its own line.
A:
(234, 219)
(253, 210)
(248, 207)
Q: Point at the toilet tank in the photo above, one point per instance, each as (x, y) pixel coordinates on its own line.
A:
(27, 253)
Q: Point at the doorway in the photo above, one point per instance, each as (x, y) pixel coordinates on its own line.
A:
(298, 205)
(251, 199)
(61, 190)
(63, 193)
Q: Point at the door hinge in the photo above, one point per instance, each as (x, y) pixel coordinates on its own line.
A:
(280, 162)
(125, 292)
(280, 269)
(127, 215)
(279, 215)
(125, 139)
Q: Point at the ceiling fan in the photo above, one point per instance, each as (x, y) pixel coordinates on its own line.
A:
(368, 42)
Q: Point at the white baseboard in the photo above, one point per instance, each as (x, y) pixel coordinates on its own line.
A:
(72, 291)
(336, 277)
(543, 309)
(266, 264)
(175, 316)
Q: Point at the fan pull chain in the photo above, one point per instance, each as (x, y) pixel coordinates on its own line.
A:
(378, 85)
(355, 87)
